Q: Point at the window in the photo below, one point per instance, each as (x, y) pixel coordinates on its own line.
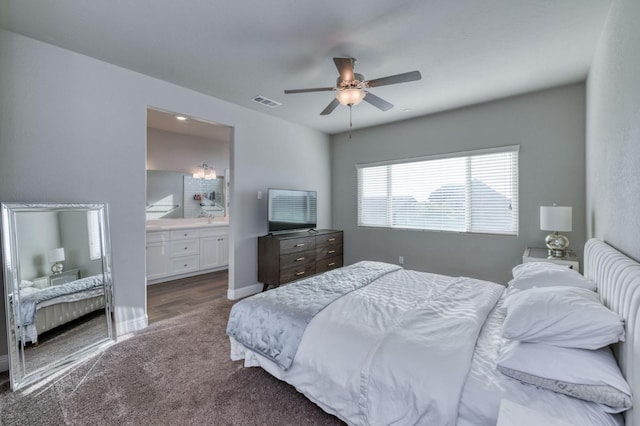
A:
(475, 191)
(93, 221)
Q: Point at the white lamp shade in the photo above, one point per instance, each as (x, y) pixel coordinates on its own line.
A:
(350, 96)
(56, 255)
(555, 218)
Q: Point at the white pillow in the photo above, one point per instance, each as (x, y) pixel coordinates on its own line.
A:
(26, 283)
(580, 373)
(562, 316)
(545, 274)
(28, 290)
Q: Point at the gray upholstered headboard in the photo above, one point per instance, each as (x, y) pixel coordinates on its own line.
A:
(618, 280)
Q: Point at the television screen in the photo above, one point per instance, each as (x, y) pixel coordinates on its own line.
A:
(292, 209)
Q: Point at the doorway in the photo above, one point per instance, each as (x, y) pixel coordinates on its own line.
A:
(187, 208)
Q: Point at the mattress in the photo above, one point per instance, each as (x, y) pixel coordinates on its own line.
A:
(336, 355)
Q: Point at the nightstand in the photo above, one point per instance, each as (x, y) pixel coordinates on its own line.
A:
(56, 279)
(533, 254)
(512, 414)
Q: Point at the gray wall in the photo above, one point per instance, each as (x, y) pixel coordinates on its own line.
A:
(183, 153)
(73, 129)
(74, 234)
(549, 126)
(613, 132)
(37, 233)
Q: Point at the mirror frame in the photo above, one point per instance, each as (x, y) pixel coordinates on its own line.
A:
(19, 377)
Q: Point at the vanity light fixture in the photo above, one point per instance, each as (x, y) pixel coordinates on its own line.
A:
(205, 172)
(56, 256)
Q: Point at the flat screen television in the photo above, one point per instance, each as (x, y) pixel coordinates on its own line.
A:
(291, 209)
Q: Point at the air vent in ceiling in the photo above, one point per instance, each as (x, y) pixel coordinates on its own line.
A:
(266, 101)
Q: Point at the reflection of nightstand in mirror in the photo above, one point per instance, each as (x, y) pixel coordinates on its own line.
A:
(57, 279)
(532, 254)
(64, 277)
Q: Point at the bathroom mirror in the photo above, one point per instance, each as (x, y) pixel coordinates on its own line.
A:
(177, 195)
(58, 286)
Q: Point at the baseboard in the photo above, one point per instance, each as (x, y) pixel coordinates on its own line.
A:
(4, 362)
(239, 293)
(187, 275)
(126, 327)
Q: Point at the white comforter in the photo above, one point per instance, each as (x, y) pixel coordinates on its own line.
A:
(394, 352)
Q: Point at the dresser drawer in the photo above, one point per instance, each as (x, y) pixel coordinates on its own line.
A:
(328, 251)
(288, 275)
(295, 245)
(328, 264)
(296, 260)
(182, 265)
(326, 240)
(184, 247)
(184, 234)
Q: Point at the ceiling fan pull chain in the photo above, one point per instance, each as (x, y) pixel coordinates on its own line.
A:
(350, 120)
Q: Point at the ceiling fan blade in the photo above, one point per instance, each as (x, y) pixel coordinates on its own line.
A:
(395, 79)
(345, 68)
(377, 102)
(316, 89)
(329, 109)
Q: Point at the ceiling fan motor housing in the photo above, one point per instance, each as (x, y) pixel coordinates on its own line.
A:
(357, 82)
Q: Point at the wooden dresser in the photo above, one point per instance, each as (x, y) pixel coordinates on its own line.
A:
(283, 258)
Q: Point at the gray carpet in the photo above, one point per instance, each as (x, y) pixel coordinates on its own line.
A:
(175, 372)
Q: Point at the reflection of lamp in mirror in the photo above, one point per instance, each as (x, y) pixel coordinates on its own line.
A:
(556, 219)
(56, 256)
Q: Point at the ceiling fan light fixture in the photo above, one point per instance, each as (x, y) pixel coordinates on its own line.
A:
(350, 96)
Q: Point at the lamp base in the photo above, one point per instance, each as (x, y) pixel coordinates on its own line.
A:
(57, 267)
(557, 245)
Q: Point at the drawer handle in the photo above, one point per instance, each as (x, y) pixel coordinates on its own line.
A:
(331, 251)
(185, 248)
(299, 273)
(331, 239)
(185, 265)
(186, 235)
(300, 259)
(299, 245)
(331, 264)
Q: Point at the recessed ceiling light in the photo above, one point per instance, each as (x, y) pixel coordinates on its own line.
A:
(181, 117)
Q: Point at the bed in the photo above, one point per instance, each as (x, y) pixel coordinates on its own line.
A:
(43, 309)
(407, 347)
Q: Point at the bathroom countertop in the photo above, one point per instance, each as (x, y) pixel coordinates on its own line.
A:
(171, 224)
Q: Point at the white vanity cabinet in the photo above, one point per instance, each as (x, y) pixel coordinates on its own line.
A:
(157, 255)
(214, 248)
(181, 253)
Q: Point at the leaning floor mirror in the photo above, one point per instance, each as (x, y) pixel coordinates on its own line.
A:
(57, 286)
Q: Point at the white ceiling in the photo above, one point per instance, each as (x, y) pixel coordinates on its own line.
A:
(167, 121)
(468, 51)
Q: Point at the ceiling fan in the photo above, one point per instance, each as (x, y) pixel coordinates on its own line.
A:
(351, 87)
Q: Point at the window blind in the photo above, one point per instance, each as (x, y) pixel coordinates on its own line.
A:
(474, 191)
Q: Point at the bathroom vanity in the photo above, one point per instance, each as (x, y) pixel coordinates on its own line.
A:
(179, 248)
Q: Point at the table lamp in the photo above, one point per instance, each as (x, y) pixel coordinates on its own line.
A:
(56, 256)
(556, 219)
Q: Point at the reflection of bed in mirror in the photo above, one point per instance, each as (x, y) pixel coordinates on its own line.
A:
(58, 289)
(45, 308)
